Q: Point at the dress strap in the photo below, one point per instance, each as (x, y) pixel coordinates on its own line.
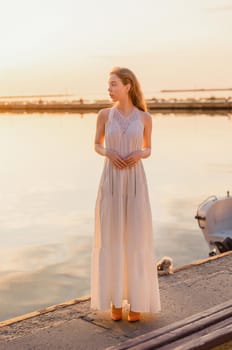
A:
(111, 114)
(111, 182)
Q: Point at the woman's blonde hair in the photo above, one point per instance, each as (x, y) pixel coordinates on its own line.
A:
(135, 92)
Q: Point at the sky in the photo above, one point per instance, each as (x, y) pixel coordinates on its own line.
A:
(69, 46)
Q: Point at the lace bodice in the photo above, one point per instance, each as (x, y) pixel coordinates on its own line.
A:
(124, 134)
(124, 121)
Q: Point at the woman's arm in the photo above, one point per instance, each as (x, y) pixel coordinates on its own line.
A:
(100, 134)
(146, 151)
(99, 141)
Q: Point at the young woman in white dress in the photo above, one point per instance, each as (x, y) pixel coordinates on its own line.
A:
(123, 266)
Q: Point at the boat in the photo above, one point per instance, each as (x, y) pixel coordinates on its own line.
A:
(214, 217)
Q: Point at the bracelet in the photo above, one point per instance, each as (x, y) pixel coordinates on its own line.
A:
(145, 152)
(101, 149)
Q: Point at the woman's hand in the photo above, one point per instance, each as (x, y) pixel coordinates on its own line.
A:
(133, 158)
(116, 159)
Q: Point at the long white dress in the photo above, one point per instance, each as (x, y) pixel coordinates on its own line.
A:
(123, 265)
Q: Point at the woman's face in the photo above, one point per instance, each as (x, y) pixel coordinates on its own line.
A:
(117, 90)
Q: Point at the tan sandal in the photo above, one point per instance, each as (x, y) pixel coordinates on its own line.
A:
(133, 316)
(116, 313)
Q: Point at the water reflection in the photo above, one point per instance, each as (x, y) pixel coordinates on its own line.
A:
(49, 177)
(44, 275)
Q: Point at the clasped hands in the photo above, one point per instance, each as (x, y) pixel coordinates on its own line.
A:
(127, 162)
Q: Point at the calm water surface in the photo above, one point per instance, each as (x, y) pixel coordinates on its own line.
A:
(49, 177)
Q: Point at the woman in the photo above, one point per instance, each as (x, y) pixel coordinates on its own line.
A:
(123, 266)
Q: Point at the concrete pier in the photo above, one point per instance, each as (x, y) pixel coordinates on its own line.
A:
(193, 289)
(54, 107)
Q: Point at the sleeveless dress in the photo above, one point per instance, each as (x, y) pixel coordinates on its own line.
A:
(123, 268)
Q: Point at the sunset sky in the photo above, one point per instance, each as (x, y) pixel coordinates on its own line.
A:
(69, 46)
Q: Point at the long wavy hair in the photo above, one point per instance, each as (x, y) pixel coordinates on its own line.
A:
(135, 92)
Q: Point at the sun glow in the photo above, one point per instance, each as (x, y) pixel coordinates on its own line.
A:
(70, 41)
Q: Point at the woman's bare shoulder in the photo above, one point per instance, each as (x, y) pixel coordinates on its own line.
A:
(103, 114)
(147, 118)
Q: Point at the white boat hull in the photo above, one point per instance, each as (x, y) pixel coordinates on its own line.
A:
(214, 217)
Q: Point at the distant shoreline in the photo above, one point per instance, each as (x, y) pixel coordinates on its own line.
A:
(66, 95)
(195, 90)
(85, 106)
